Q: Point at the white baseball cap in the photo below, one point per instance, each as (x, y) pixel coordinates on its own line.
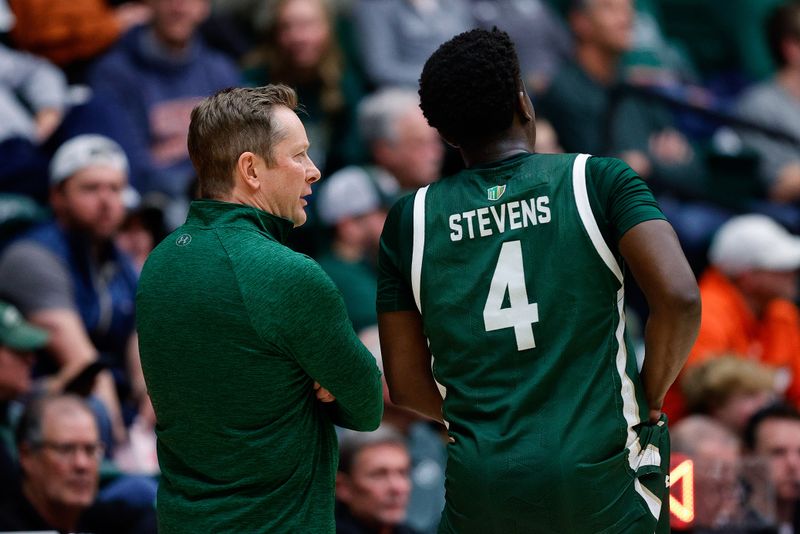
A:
(348, 192)
(86, 151)
(754, 242)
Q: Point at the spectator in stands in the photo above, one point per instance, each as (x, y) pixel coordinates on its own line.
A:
(33, 101)
(540, 36)
(68, 277)
(747, 294)
(774, 435)
(407, 153)
(59, 454)
(775, 104)
(350, 203)
(18, 341)
(154, 76)
(592, 111)
(426, 441)
(70, 34)
(142, 230)
(372, 483)
(301, 50)
(715, 451)
(396, 37)
(729, 389)
(595, 110)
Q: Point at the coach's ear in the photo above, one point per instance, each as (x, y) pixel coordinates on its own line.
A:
(248, 170)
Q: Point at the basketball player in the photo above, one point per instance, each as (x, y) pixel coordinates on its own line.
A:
(504, 283)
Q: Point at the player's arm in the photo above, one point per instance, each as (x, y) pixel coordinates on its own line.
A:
(407, 363)
(653, 253)
(404, 348)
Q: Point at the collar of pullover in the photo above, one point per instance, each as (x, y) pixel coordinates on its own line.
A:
(215, 214)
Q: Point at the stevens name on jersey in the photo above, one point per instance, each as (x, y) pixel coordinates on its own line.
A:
(486, 221)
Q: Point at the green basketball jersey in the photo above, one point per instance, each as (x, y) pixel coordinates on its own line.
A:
(522, 302)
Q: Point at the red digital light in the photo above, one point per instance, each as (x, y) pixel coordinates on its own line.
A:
(681, 492)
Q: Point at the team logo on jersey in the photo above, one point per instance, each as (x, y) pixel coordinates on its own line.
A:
(494, 193)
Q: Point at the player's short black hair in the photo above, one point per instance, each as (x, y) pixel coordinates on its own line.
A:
(469, 86)
(783, 22)
(777, 410)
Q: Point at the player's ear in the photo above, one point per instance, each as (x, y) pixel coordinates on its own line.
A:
(524, 104)
(449, 142)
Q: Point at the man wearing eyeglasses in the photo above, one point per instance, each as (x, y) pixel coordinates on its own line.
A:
(59, 456)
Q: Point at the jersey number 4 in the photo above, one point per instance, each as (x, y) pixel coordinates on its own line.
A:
(509, 275)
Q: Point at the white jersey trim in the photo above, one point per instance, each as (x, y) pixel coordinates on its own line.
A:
(587, 217)
(417, 251)
(651, 500)
(418, 247)
(630, 408)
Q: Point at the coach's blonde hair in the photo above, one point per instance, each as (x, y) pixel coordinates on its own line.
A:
(231, 122)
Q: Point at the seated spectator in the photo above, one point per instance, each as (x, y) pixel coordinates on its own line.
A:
(592, 112)
(715, 451)
(300, 49)
(18, 341)
(407, 153)
(71, 33)
(396, 37)
(595, 110)
(426, 441)
(775, 104)
(59, 455)
(773, 434)
(33, 101)
(349, 202)
(68, 277)
(372, 483)
(729, 389)
(747, 294)
(154, 76)
(541, 38)
(142, 229)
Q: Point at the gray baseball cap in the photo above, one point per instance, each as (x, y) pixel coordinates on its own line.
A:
(85, 151)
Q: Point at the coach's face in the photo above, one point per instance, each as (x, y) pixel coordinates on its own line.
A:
(288, 179)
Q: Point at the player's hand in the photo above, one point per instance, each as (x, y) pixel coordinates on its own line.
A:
(655, 416)
(323, 394)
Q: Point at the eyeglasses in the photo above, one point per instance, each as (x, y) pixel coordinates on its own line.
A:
(68, 451)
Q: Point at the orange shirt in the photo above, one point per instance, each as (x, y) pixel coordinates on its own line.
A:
(64, 32)
(729, 327)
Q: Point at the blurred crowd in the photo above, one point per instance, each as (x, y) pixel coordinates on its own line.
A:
(701, 99)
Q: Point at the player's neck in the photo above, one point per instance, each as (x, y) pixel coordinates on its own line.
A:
(495, 151)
